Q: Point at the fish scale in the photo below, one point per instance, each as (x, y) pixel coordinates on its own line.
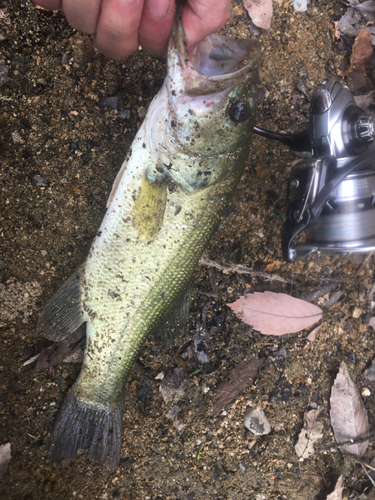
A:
(145, 309)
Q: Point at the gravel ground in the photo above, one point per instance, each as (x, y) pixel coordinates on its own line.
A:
(60, 150)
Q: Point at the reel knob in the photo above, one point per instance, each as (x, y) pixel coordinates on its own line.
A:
(365, 128)
(358, 130)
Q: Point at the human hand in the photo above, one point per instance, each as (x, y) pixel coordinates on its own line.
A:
(120, 26)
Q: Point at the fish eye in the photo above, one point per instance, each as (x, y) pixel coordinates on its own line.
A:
(238, 112)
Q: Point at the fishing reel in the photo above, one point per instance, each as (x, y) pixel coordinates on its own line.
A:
(331, 191)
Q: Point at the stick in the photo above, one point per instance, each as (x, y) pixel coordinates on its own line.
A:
(232, 268)
(367, 474)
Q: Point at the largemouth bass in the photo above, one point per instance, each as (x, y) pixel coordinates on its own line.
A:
(166, 202)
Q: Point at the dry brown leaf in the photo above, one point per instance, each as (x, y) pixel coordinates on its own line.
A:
(310, 435)
(5, 457)
(337, 32)
(260, 12)
(276, 313)
(365, 101)
(366, 9)
(61, 351)
(362, 51)
(337, 492)
(312, 335)
(235, 382)
(173, 387)
(348, 414)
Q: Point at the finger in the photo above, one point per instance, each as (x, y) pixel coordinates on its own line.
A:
(202, 17)
(156, 24)
(49, 4)
(117, 31)
(82, 15)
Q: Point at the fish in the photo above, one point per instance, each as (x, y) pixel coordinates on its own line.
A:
(166, 202)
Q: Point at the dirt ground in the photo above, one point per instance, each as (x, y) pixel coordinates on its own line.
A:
(60, 151)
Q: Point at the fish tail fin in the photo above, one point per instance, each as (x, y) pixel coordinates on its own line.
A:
(63, 313)
(83, 424)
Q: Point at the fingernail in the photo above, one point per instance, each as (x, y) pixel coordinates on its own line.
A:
(159, 8)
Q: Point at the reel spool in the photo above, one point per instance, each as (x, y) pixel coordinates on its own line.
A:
(331, 195)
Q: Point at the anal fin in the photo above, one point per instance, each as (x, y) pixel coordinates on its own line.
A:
(63, 313)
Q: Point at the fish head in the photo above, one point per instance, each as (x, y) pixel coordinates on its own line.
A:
(210, 97)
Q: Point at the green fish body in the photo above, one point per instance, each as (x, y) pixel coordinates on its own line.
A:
(166, 202)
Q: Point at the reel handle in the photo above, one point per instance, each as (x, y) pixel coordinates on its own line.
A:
(299, 142)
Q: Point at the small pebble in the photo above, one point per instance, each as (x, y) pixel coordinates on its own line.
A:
(173, 386)
(279, 353)
(357, 312)
(256, 421)
(17, 138)
(128, 463)
(4, 74)
(37, 181)
(65, 59)
(142, 111)
(86, 158)
(124, 114)
(300, 5)
(109, 102)
(199, 347)
(366, 392)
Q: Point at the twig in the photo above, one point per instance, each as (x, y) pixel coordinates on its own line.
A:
(367, 474)
(362, 462)
(326, 447)
(226, 392)
(364, 263)
(204, 313)
(31, 360)
(289, 441)
(334, 280)
(232, 268)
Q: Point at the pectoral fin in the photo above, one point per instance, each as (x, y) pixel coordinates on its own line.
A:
(149, 208)
(63, 313)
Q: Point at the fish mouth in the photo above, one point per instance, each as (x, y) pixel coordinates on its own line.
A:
(217, 62)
